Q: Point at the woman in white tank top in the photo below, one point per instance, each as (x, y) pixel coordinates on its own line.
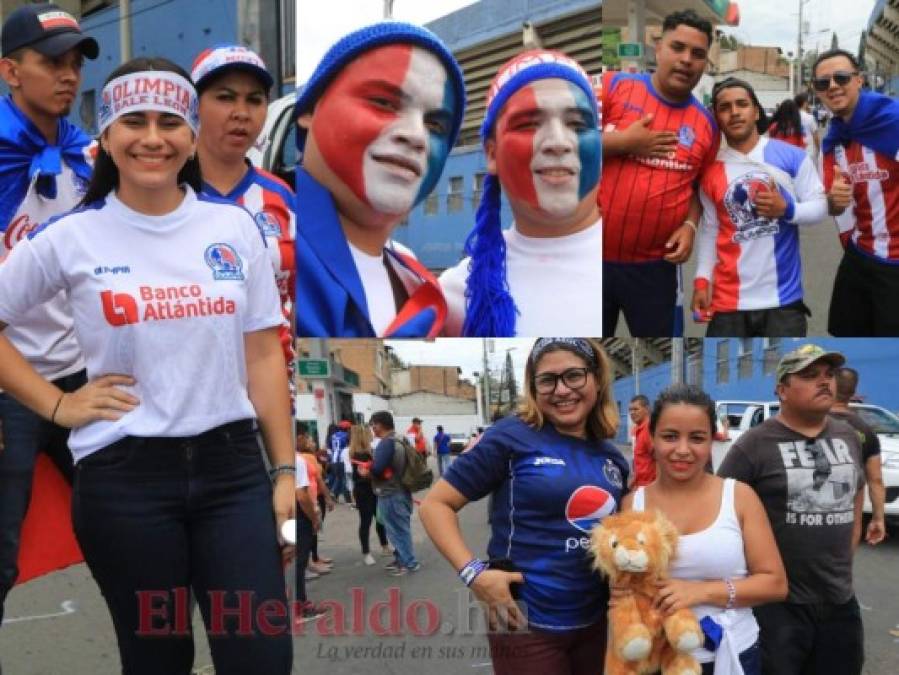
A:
(727, 560)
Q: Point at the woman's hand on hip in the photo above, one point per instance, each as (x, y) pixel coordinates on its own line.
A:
(492, 588)
(99, 399)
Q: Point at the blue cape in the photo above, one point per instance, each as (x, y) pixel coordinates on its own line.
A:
(330, 299)
(873, 124)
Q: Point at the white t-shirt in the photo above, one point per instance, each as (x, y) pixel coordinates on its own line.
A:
(809, 129)
(45, 334)
(556, 284)
(376, 284)
(302, 479)
(165, 299)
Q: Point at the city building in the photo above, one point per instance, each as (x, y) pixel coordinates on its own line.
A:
(881, 46)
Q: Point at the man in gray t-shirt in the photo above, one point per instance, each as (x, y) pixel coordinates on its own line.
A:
(808, 471)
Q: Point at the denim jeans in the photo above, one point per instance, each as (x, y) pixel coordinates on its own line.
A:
(396, 511)
(158, 516)
(24, 435)
(443, 462)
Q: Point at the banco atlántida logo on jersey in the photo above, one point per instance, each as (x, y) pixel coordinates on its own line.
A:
(162, 303)
(586, 506)
(739, 200)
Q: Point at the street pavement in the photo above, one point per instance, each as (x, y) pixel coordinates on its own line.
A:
(424, 622)
(821, 253)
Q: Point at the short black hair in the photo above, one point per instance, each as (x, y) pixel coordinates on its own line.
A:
(643, 400)
(687, 394)
(439, 428)
(847, 382)
(688, 18)
(731, 82)
(831, 53)
(384, 418)
(302, 428)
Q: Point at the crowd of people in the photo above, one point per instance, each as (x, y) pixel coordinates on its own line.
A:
(737, 187)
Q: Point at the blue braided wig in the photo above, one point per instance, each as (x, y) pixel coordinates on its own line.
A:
(489, 308)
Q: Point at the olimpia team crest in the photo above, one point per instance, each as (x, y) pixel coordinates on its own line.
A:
(739, 200)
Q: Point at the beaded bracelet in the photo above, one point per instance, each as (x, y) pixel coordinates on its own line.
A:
(731, 594)
(471, 570)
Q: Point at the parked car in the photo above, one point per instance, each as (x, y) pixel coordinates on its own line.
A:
(276, 149)
(739, 416)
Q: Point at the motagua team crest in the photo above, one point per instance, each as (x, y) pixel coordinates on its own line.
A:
(739, 200)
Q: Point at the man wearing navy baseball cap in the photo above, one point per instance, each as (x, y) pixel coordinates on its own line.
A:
(44, 169)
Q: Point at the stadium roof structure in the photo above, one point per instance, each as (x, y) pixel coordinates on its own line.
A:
(647, 351)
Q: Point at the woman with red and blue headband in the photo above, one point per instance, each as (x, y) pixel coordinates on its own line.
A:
(542, 141)
(177, 313)
(377, 120)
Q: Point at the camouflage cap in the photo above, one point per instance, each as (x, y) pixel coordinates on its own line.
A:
(804, 356)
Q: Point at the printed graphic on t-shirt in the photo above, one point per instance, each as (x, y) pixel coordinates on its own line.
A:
(739, 200)
(821, 482)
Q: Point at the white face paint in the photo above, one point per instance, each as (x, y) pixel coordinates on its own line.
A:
(556, 166)
(400, 159)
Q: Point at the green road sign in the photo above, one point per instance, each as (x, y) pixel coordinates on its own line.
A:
(630, 50)
(314, 368)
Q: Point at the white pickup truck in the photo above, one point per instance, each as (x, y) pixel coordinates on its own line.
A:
(739, 416)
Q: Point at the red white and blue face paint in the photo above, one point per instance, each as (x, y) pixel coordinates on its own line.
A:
(383, 126)
(550, 127)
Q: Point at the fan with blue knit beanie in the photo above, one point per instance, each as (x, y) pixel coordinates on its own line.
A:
(359, 130)
(489, 306)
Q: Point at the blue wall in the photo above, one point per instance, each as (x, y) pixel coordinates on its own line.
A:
(438, 239)
(178, 30)
(876, 360)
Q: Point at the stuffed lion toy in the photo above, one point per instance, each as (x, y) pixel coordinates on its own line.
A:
(633, 549)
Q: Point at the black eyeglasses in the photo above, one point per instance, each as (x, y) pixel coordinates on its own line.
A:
(841, 77)
(822, 463)
(574, 378)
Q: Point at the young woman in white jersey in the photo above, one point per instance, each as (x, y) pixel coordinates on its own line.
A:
(727, 560)
(176, 311)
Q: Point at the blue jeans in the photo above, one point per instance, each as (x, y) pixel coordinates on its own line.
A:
(396, 510)
(158, 516)
(750, 659)
(443, 462)
(24, 435)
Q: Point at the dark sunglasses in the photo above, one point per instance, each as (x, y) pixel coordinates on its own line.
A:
(841, 77)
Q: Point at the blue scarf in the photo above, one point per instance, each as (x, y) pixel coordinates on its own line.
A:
(26, 156)
(873, 124)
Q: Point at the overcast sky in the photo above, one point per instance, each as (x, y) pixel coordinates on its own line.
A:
(776, 22)
(466, 353)
(321, 24)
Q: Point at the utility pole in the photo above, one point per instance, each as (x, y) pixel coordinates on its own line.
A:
(635, 364)
(125, 29)
(388, 9)
(487, 413)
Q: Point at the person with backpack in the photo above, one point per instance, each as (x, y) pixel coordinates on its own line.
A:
(396, 473)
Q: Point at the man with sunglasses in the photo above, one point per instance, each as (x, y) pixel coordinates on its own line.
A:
(861, 150)
(807, 469)
(754, 196)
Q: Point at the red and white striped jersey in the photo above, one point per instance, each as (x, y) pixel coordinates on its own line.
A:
(871, 223)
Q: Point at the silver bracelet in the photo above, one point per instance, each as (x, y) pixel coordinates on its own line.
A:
(282, 468)
(731, 594)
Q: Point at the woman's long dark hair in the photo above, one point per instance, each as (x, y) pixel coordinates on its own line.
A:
(786, 121)
(105, 178)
